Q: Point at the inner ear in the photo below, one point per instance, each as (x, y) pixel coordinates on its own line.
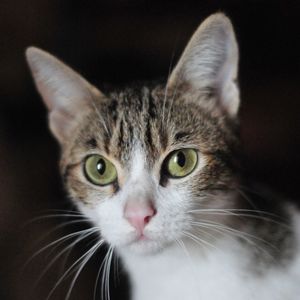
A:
(209, 64)
(67, 95)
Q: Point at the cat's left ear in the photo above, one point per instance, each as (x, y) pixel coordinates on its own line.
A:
(209, 64)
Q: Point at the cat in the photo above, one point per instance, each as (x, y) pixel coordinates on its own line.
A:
(156, 169)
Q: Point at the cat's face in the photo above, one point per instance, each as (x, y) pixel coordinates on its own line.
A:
(141, 139)
(145, 163)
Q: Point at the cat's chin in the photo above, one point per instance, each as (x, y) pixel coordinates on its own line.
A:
(145, 247)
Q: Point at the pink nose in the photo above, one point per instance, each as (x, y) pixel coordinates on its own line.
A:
(139, 214)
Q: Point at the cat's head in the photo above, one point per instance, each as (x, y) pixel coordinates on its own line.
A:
(147, 164)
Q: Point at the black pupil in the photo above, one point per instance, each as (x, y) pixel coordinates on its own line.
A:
(180, 159)
(101, 167)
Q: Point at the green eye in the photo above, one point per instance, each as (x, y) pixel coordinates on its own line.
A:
(99, 170)
(181, 163)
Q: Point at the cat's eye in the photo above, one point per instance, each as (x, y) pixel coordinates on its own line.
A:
(99, 170)
(181, 163)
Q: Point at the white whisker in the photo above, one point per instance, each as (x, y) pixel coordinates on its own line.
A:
(184, 249)
(166, 87)
(69, 247)
(242, 213)
(198, 240)
(106, 274)
(81, 258)
(66, 215)
(220, 228)
(87, 258)
(62, 239)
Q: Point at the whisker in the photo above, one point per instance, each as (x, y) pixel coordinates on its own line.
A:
(172, 101)
(166, 88)
(184, 249)
(72, 210)
(198, 240)
(87, 258)
(81, 258)
(67, 215)
(69, 247)
(243, 213)
(106, 274)
(246, 198)
(102, 267)
(59, 227)
(64, 238)
(67, 224)
(243, 235)
(101, 119)
(96, 281)
(116, 269)
(236, 210)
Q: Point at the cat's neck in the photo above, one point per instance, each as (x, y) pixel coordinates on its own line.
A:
(180, 268)
(186, 252)
(178, 271)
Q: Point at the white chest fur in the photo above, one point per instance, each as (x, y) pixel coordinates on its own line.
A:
(225, 273)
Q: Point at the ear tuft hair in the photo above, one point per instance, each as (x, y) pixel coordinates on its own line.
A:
(210, 63)
(66, 94)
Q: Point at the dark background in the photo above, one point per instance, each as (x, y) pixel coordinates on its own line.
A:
(118, 41)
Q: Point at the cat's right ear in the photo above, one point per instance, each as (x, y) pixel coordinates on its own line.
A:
(66, 94)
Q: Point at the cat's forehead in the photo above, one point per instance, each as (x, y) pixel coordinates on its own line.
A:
(135, 124)
(152, 121)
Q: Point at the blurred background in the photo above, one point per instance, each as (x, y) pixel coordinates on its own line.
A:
(117, 41)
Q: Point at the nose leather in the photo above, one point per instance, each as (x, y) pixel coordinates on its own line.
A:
(139, 213)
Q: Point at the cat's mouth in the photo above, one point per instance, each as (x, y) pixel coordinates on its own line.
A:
(141, 238)
(145, 244)
(140, 243)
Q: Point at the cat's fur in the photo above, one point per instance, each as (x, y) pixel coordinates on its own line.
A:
(248, 247)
